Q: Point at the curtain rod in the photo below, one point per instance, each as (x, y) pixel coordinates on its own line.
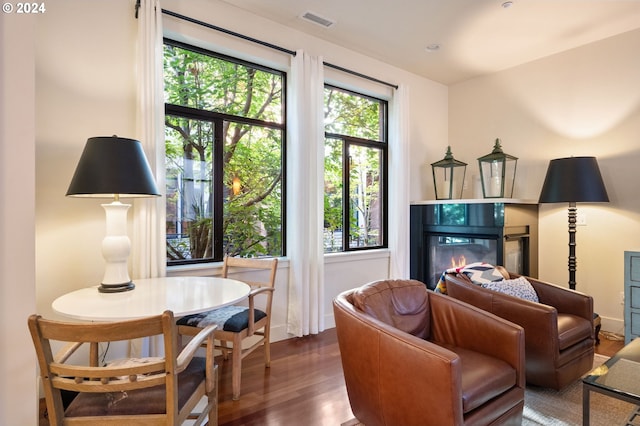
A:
(266, 44)
(339, 68)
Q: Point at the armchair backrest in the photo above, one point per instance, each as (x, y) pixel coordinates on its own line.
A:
(403, 304)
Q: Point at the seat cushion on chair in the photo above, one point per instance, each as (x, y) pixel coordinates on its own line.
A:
(229, 318)
(141, 401)
(572, 329)
(483, 377)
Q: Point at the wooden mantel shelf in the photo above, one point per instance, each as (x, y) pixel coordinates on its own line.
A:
(476, 201)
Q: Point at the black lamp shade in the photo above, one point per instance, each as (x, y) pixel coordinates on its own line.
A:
(573, 179)
(113, 167)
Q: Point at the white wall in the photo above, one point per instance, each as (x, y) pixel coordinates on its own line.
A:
(18, 390)
(582, 102)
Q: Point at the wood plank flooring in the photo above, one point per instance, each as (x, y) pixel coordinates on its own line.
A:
(304, 385)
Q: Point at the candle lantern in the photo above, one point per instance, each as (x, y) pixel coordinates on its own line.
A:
(498, 173)
(448, 177)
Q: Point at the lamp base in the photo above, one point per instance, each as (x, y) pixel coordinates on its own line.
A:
(116, 288)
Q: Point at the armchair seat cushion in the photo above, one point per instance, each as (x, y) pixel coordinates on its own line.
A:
(572, 329)
(229, 318)
(483, 377)
(140, 401)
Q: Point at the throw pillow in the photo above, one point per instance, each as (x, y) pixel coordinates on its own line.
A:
(518, 287)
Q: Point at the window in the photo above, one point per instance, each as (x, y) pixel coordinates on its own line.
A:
(355, 171)
(224, 142)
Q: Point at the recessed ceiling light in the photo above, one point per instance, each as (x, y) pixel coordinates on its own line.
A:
(507, 4)
(433, 47)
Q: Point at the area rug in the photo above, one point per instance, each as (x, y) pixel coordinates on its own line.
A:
(564, 408)
(546, 407)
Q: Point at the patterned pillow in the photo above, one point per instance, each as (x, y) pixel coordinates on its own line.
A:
(518, 287)
(477, 272)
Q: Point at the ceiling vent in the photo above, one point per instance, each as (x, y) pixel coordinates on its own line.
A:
(317, 19)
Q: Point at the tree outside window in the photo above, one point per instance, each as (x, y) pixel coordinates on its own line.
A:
(355, 171)
(224, 139)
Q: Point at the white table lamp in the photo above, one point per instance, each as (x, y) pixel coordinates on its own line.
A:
(113, 167)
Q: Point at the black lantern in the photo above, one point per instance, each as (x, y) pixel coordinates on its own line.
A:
(498, 173)
(448, 182)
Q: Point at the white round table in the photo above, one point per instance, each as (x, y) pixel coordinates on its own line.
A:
(152, 296)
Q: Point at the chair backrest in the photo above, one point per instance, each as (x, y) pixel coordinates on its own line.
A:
(403, 304)
(241, 264)
(64, 372)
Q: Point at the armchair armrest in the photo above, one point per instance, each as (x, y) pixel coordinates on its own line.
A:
(566, 301)
(186, 355)
(252, 294)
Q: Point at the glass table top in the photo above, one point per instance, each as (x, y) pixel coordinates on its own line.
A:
(620, 373)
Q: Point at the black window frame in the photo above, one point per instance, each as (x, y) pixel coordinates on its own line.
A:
(218, 119)
(383, 145)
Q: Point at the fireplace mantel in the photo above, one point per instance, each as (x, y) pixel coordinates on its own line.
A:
(501, 231)
(476, 201)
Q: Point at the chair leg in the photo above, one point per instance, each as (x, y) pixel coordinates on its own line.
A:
(236, 367)
(224, 349)
(267, 348)
(213, 400)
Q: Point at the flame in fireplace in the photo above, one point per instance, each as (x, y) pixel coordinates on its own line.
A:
(460, 262)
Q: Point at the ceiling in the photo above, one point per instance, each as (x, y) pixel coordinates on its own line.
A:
(474, 37)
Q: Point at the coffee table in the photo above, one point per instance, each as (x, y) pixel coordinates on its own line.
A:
(618, 377)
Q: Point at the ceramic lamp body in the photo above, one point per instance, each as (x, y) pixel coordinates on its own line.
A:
(116, 245)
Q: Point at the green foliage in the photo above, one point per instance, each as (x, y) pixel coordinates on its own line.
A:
(349, 116)
(252, 222)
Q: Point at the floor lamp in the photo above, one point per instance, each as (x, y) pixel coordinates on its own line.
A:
(572, 180)
(113, 167)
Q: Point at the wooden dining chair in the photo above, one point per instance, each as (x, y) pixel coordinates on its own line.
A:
(239, 322)
(150, 391)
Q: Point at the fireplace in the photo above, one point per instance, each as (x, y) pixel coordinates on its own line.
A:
(446, 234)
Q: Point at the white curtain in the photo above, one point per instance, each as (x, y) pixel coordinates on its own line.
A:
(148, 247)
(399, 185)
(305, 196)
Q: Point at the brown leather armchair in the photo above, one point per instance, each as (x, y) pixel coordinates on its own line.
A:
(414, 357)
(559, 335)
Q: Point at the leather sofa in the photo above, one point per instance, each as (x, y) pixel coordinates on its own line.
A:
(414, 357)
(559, 334)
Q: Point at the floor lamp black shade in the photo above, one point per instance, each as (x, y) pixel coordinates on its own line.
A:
(572, 180)
(113, 167)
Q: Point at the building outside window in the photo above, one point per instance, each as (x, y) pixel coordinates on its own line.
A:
(355, 211)
(224, 141)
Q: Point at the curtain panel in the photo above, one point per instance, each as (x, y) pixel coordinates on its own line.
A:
(305, 196)
(398, 184)
(149, 252)
(148, 248)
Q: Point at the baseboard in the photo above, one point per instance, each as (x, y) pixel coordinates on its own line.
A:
(612, 325)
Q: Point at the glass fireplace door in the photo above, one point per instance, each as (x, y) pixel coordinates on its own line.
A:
(453, 251)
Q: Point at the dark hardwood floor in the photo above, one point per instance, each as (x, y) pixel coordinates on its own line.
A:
(304, 385)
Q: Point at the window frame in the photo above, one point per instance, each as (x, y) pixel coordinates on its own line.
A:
(217, 119)
(383, 146)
